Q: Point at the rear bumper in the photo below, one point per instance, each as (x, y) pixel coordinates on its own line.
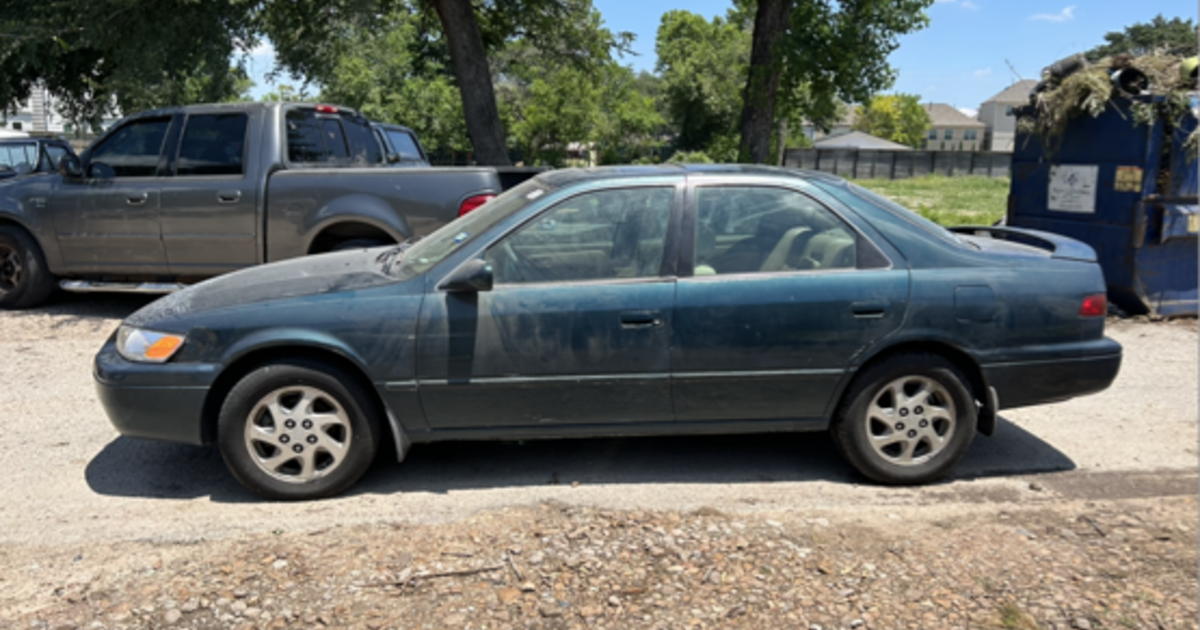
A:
(1035, 382)
(158, 402)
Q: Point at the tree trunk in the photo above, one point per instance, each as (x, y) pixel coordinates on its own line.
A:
(474, 80)
(762, 82)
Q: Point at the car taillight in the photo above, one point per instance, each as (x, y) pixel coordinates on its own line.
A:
(1094, 306)
(471, 203)
(326, 109)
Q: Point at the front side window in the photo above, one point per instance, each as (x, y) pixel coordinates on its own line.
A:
(132, 151)
(54, 153)
(213, 144)
(764, 230)
(603, 235)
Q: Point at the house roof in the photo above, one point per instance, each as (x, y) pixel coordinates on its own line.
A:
(943, 115)
(858, 140)
(1015, 93)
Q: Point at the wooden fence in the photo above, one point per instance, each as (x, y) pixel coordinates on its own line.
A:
(876, 164)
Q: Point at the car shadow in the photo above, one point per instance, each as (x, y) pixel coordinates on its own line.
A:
(143, 468)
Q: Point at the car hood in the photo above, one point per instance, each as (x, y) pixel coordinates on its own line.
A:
(301, 277)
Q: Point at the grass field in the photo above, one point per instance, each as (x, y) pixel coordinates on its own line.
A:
(947, 200)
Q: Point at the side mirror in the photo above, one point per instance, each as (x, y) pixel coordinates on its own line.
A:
(394, 158)
(473, 277)
(69, 167)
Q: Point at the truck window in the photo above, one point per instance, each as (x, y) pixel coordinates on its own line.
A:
(134, 149)
(342, 137)
(405, 145)
(213, 144)
(12, 155)
(54, 153)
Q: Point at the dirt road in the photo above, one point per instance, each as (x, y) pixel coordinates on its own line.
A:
(73, 487)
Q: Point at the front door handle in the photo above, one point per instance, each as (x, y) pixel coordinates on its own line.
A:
(229, 196)
(641, 319)
(868, 309)
(137, 199)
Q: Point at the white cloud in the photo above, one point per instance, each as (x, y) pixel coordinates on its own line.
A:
(983, 73)
(1067, 15)
(967, 4)
(264, 49)
(967, 111)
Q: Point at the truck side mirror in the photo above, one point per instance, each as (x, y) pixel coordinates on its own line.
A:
(474, 276)
(69, 167)
(393, 158)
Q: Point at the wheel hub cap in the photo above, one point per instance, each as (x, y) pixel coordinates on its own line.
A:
(929, 420)
(298, 434)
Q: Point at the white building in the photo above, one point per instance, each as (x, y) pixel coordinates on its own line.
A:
(41, 114)
(997, 114)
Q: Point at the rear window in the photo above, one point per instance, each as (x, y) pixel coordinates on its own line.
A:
(320, 138)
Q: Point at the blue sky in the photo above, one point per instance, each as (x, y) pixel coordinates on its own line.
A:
(959, 59)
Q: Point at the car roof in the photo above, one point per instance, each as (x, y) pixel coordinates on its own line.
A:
(566, 177)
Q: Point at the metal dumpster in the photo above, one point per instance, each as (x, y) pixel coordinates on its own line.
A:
(1129, 192)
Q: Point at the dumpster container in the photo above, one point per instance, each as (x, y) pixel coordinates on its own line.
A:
(1129, 192)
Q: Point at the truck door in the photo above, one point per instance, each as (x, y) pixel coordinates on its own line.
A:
(209, 203)
(107, 221)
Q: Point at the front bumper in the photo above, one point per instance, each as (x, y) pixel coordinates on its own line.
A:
(155, 401)
(1047, 380)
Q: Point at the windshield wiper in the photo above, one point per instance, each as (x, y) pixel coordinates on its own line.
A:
(390, 257)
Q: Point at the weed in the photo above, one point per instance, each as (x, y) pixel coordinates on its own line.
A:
(949, 201)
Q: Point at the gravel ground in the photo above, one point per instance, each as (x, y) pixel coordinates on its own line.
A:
(1079, 514)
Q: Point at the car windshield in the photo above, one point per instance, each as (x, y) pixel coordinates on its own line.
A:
(854, 195)
(445, 241)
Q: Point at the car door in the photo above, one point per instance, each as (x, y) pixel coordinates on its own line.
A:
(576, 329)
(209, 205)
(107, 221)
(782, 294)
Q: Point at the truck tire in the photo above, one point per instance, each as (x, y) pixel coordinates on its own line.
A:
(25, 280)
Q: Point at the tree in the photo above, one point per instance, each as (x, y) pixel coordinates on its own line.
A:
(93, 56)
(1175, 37)
(819, 51)
(898, 117)
(703, 67)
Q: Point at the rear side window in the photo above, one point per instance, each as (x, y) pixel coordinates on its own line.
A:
(323, 138)
(213, 144)
(405, 145)
(133, 150)
(12, 155)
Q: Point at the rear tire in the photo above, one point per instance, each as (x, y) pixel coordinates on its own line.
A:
(25, 280)
(298, 429)
(907, 420)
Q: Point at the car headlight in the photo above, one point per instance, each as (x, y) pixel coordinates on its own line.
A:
(147, 346)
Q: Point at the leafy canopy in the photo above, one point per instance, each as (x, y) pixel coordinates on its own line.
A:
(897, 117)
(1172, 37)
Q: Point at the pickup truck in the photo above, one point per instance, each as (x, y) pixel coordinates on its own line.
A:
(172, 196)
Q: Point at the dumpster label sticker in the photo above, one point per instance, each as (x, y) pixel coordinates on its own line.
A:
(1193, 223)
(1073, 189)
(1129, 179)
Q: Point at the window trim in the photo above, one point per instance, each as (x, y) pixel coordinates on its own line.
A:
(687, 250)
(173, 169)
(667, 272)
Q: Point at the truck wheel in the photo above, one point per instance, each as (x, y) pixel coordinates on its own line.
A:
(907, 420)
(298, 429)
(25, 280)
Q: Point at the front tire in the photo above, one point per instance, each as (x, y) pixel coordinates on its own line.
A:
(907, 420)
(25, 280)
(298, 429)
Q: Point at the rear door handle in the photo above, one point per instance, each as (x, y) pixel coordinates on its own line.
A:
(229, 196)
(869, 308)
(641, 319)
(136, 199)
